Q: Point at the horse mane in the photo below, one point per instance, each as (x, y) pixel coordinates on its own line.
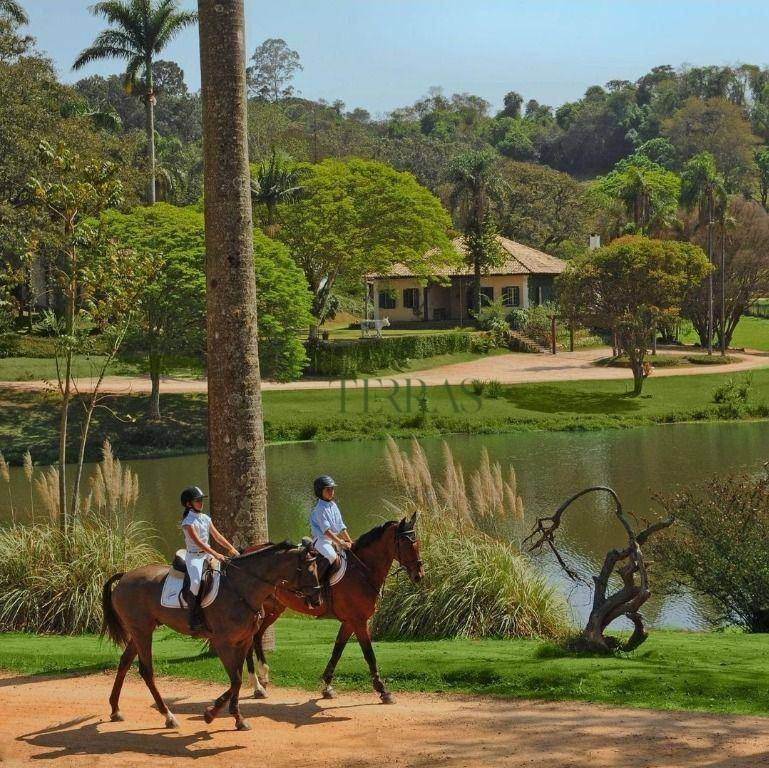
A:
(264, 549)
(372, 536)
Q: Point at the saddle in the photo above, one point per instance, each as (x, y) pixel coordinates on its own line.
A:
(176, 586)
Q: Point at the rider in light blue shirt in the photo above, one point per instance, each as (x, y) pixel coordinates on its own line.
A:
(326, 524)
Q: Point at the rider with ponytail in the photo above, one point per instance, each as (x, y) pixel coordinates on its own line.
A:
(198, 530)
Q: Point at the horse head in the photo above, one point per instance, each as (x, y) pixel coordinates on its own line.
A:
(407, 548)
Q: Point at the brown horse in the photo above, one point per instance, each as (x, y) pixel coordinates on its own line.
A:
(352, 601)
(133, 611)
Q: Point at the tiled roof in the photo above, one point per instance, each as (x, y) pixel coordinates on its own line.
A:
(519, 260)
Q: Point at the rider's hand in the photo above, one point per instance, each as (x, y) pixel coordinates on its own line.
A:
(346, 544)
(220, 557)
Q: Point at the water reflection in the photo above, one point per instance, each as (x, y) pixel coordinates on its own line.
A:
(637, 463)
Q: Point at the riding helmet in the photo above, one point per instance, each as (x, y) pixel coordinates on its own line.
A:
(324, 481)
(193, 493)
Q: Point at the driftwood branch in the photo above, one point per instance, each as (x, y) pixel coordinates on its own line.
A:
(628, 563)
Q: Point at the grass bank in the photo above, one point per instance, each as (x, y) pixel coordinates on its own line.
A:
(29, 420)
(710, 672)
(750, 333)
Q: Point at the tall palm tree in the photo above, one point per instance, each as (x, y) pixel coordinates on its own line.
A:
(475, 184)
(703, 187)
(277, 181)
(140, 30)
(236, 458)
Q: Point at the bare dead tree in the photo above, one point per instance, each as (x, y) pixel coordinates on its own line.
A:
(629, 565)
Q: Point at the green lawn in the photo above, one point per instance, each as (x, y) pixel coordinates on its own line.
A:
(29, 420)
(673, 670)
(750, 333)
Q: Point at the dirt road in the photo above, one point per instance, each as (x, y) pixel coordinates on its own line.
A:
(63, 722)
(514, 368)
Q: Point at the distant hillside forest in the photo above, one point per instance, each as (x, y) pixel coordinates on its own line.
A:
(632, 136)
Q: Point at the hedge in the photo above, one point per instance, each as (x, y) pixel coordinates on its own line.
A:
(342, 359)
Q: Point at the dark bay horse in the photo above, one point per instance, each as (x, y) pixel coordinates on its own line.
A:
(352, 601)
(132, 612)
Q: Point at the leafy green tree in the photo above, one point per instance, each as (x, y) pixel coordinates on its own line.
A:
(762, 164)
(475, 185)
(543, 208)
(172, 321)
(14, 11)
(631, 287)
(140, 30)
(512, 102)
(273, 182)
(719, 127)
(273, 69)
(648, 193)
(357, 217)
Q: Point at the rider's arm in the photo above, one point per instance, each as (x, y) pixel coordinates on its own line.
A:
(219, 539)
(343, 543)
(346, 536)
(194, 536)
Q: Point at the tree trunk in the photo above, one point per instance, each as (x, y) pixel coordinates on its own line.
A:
(155, 366)
(237, 474)
(149, 114)
(477, 286)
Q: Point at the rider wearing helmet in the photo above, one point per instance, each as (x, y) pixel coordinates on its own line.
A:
(198, 530)
(328, 528)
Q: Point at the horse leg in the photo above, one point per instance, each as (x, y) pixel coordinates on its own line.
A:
(364, 639)
(129, 654)
(143, 644)
(328, 674)
(232, 657)
(259, 681)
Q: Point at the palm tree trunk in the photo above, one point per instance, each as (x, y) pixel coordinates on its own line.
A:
(236, 461)
(149, 114)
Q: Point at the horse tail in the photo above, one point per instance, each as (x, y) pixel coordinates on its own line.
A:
(111, 625)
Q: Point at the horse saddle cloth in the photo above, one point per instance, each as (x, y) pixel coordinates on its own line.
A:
(338, 575)
(176, 583)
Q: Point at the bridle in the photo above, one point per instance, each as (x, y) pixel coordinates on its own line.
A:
(302, 591)
(411, 536)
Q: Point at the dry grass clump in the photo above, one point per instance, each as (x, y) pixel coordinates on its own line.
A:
(51, 579)
(477, 583)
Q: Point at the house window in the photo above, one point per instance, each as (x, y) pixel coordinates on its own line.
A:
(386, 300)
(411, 298)
(511, 296)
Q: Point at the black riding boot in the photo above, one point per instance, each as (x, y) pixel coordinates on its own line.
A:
(196, 615)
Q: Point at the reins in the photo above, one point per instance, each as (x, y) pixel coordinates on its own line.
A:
(283, 584)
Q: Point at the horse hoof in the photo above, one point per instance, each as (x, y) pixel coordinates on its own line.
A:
(242, 725)
(209, 715)
(171, 721)
(387, 698)
(116, 717)
(328, 693)
(260, 693)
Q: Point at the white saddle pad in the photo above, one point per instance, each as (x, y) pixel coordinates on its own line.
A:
(172, 589)
(339, 575)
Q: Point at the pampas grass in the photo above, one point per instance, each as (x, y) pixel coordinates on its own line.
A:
(51, 579)
(477, 583)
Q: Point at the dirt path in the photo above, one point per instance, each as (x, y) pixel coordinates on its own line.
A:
(514, 368)
(62, 722)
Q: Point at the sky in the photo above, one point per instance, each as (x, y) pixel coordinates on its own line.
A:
(382, 54)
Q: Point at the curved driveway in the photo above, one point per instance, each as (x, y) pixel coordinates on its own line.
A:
(513, 368)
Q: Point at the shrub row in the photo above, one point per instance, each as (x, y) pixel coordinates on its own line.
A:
(343, 359)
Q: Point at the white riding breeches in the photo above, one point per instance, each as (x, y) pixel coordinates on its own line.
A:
(195, 562)
(326, 548)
